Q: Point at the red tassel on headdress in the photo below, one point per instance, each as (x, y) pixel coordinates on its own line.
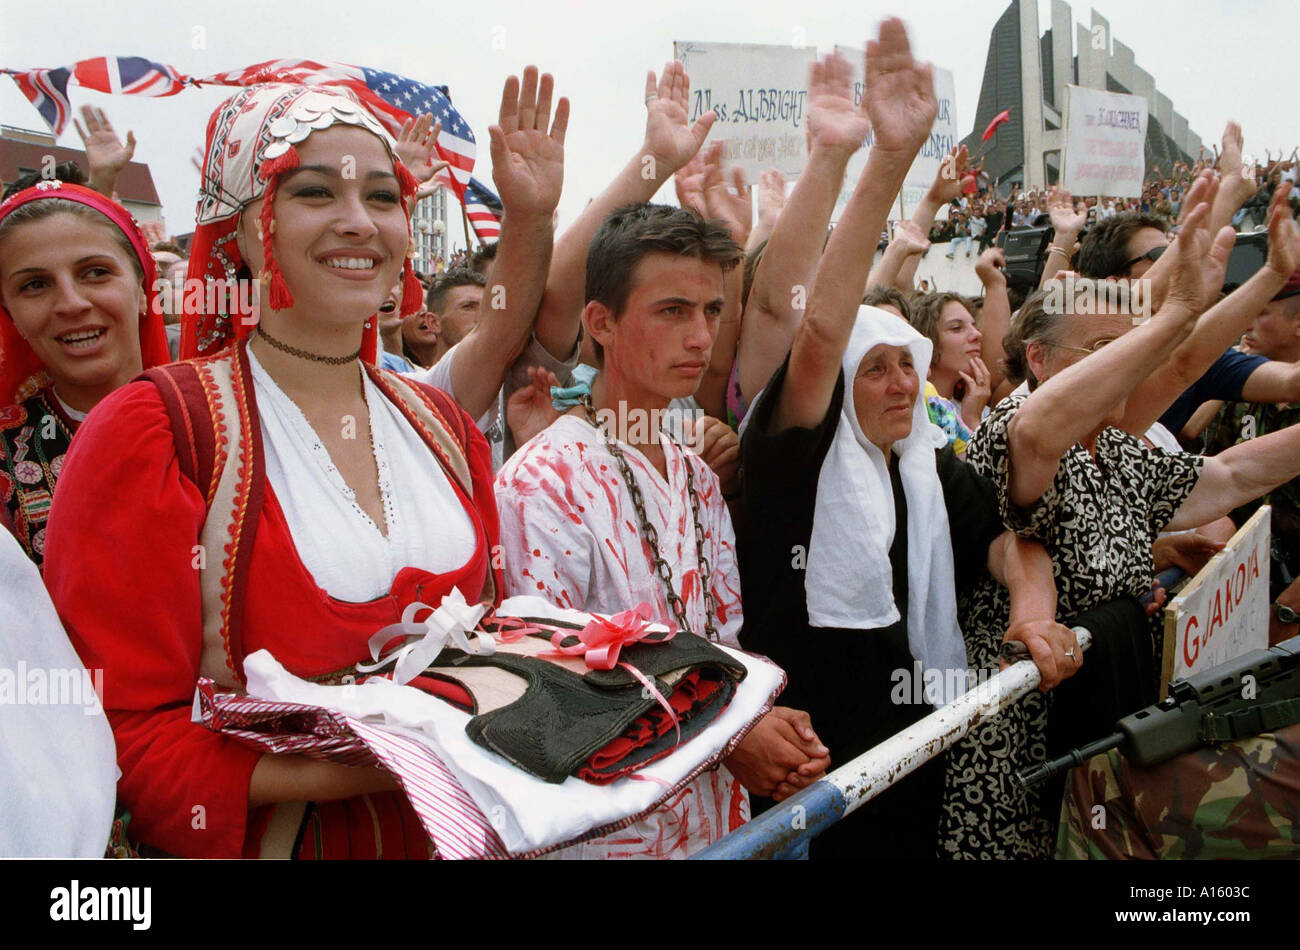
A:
(412, 289)
(279, 297)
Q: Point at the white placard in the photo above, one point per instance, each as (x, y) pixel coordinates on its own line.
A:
(1105, 143)
(943, 137)
(1223, 611)
(760, 94)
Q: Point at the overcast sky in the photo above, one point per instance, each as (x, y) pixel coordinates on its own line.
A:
(1214, 60)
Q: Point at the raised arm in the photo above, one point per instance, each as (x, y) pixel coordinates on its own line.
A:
(105, 153)
(735, 209)
(1222, 324)
(1237, 181)
(670, 142)
(1066, 227)
(780, 287)
(1072, 404)
(946, 187)
(528, 169)
(908, 244)
(901, 104)
(995, 317)
(1240, 474)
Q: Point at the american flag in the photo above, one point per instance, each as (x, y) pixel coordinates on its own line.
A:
(47, 90)
(393, 98)
(483, 209)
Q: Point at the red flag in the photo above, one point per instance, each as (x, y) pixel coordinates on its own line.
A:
(1003, 116)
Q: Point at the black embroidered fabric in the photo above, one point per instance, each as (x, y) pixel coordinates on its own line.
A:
(563, 718)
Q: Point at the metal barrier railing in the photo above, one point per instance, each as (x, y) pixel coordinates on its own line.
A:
(783, 832)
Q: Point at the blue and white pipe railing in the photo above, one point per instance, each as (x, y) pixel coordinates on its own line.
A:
(783, 832)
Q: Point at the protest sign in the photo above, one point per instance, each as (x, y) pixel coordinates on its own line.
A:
(760, 94)
(1105, 143)
(943, 137)
(1223, 612)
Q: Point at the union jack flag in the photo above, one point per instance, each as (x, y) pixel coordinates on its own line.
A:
(129, 75)
(483, 209)
(394, 99)
(47, 90)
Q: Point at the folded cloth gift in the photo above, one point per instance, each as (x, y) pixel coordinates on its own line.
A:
(530, 815)
(596, 700)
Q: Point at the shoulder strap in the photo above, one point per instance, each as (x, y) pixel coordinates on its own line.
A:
(209, 404)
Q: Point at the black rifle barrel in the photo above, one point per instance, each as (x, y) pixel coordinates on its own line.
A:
(1044, 770)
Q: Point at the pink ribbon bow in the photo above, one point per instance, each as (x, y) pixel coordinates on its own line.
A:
(603, 637)
(601, 640)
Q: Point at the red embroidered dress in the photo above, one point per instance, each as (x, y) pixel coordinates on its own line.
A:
(123, 567)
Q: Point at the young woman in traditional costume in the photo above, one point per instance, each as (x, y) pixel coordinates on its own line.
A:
(78, 319)
(245, 500)
(862, 534)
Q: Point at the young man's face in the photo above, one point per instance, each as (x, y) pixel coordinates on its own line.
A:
(659, 345)
(459, 313)
(1275, 332)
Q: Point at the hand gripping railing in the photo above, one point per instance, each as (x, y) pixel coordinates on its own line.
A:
(783, 832)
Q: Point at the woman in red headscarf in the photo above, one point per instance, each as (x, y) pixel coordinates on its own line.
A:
(245, 500)
(78, 319)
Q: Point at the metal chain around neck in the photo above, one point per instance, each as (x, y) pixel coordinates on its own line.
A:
(661, 567)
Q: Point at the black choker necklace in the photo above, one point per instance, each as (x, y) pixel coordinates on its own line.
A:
(303, 354)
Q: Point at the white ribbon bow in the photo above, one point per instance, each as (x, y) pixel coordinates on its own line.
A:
(450, 622)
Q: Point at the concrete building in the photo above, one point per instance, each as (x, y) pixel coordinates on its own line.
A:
(24, 150)
(1026, 71)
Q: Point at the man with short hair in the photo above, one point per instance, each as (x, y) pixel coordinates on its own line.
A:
(456, 298)
(601, 511)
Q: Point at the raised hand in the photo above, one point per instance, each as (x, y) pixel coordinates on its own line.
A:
(1190, 252)
(527, 161)
(669, 139)
(948, 181)
(771, 198)
(899, 94)
(991, 266)
(529, 409)
(1283, 235)
(733, 208)
(416, 147)
(909, 239)
(1236, 178)
(105, 153)
(1065, 219)
(689, 182)
(833, 121)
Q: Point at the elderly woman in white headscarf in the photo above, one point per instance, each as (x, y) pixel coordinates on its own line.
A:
(863, 528)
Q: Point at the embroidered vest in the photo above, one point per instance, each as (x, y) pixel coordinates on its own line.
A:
(212, 408)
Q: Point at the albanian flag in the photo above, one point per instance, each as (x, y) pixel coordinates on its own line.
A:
(1003, 116)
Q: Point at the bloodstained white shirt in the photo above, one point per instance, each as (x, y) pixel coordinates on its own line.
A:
(570, 533)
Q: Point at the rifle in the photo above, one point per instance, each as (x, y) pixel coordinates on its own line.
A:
(1256, 692)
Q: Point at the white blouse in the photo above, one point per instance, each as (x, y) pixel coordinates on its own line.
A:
(345, 552)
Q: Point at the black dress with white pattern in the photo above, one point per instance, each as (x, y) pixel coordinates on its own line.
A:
(1097, 521)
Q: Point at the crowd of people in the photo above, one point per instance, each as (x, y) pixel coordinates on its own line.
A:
(827, 466)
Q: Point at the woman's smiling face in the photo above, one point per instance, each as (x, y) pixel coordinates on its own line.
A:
(341, 234)
(75, 296)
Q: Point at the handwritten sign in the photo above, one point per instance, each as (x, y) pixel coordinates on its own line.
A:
(760, 94)
(943, 137)
(1223, 611)
(1105, 143)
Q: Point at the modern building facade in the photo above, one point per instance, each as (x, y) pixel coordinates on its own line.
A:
(1026, 71)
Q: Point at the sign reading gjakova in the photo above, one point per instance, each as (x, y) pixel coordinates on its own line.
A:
(943, 136)
(760, 94)
(1223, 611)
(1105, 143)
